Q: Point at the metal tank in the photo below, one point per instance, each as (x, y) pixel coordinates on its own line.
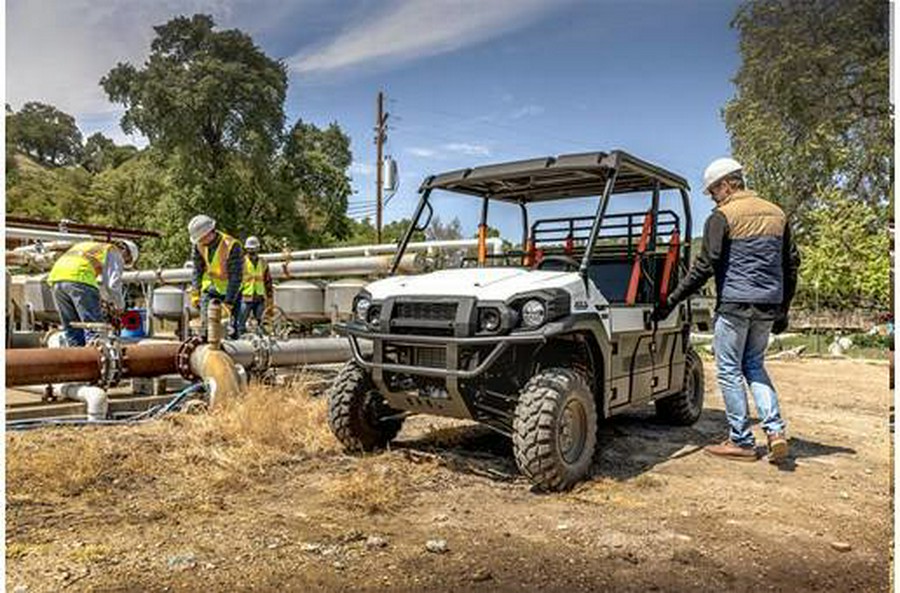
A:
(39, 299)
(301, 300)
(339, 297)
(168, 303)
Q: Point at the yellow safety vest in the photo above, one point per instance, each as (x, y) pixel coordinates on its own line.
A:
(253, 284)
(216, 272)
(82, 263)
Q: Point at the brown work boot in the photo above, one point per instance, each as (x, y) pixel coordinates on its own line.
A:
(729, 450)
(778, 447)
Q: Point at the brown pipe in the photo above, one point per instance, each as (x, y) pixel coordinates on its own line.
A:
(150, 360)
(36, 366)
(30, 366)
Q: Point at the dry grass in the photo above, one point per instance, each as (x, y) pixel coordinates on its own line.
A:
(242, 440)
(366, 488)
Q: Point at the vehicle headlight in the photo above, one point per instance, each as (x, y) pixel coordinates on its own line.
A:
(489, 320)
(362, 308)
(374, 315)
(534, 313)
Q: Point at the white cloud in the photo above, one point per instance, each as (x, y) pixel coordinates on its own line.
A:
(421, 152)
(526, 111)
(410, 29)
(58, 50)
(468, 149)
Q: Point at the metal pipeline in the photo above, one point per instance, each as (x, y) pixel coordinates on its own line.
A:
(349, 266)
(495, 243)
(153, 358)
(29, 366)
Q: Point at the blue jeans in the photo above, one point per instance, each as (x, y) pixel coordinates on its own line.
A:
(256, 307)
(77, 302)
(740, 346)
(232, 330)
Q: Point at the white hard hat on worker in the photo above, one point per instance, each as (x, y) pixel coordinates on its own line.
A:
(130, 250)
(252, 243)
(199, 227)
(718, 170)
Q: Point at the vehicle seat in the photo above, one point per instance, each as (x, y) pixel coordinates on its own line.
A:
(611, 278)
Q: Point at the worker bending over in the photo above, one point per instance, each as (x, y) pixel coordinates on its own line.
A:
(86, 279)
(218, 270)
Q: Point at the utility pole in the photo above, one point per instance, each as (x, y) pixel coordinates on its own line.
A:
(380, 136)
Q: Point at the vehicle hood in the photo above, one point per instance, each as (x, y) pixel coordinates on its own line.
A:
(491, 284)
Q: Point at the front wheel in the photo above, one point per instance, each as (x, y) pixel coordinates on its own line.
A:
(555, 429)
(357, 413)
(684, 408)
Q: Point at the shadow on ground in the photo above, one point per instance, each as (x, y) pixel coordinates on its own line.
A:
(628, 446)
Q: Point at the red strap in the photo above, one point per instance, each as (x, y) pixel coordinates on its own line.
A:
(631, 295)
(569, 247)
(671, 261)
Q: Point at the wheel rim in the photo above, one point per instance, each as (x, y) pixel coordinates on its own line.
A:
(572, 433)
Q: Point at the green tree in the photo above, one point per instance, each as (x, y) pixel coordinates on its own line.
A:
(101, 153)
(812, 112)
(213, 102)
(362, 232)
(846, 259)
(441, 231)
(44, 133)
(315, 171)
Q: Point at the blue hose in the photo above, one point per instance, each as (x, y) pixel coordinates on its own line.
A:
(145, 416)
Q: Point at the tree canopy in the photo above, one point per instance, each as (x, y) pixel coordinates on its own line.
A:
(44, 133)
(811, 120)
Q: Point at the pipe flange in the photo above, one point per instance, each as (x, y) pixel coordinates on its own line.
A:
(262, 352)
(112, 364)
(183, 358)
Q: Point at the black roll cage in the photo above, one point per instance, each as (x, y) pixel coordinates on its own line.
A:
(556, 178)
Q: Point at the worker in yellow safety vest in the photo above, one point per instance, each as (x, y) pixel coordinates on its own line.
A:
(218, 270)
(257, 285)
(86, 277)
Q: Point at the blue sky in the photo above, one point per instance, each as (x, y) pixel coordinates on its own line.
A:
(468, 82)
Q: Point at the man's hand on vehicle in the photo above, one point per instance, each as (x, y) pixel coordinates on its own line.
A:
(661, 311)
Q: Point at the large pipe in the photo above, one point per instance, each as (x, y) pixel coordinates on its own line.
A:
(350, 266)
(294, 352)
(42, 235)
(27, 366)
(495, 243)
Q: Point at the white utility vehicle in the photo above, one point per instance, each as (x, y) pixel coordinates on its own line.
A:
(535, 343)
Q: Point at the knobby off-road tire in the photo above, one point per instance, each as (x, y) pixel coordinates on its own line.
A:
(357, 413)
(555, 429)
(684, 408)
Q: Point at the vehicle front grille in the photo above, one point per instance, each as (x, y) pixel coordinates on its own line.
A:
(423, 318)
(425, 311)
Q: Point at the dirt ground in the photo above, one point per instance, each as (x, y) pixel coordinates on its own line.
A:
(259, 497)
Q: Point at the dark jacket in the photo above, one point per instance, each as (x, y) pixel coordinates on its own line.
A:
(234, 265)
(747, 246)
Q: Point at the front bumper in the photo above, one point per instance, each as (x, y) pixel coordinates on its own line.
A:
(451, 345)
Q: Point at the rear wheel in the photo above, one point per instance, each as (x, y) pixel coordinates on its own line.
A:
(357, 413)
(555, 429)
(684, 408)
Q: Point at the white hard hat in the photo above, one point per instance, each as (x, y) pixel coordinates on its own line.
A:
(719, 169)
(199, 226)
(132, 249)
(252, 243)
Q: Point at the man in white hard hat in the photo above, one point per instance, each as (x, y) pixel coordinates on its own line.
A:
(747, 246)
(87, 279)
(257, 288)
(218, 269)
